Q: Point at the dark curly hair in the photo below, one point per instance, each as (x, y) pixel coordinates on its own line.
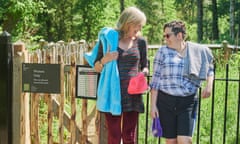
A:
(177, 27)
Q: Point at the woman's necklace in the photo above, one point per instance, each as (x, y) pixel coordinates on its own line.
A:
(126, 44)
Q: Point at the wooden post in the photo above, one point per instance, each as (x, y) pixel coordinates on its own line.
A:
(73, 100)
(35, 98)
(21, 122)
(103, 129)
(48, 98)
(227, 51)
(84, 120)
(61, 107)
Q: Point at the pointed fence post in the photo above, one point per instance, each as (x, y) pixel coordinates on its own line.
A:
(227, 51)
(20, 100)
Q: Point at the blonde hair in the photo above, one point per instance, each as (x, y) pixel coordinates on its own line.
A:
(130, 16)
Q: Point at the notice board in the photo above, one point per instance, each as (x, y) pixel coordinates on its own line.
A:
(41, 78)
(86, 84)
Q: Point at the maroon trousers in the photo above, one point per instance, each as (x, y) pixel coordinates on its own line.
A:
(122, 127)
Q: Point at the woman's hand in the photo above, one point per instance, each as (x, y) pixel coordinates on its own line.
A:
(98, 66)
(109, 57)
(105, 59)
(145, 71)
(154, 111)
(208, 89)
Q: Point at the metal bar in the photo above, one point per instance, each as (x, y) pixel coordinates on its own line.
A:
(147, 114)
(238, 114)
(229, 80)
(225, 105)
(198, 117)
(212, 111)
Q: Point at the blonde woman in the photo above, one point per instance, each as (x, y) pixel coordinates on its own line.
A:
(119, 55)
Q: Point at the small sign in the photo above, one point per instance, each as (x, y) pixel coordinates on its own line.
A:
(86, 84)
(41, 78)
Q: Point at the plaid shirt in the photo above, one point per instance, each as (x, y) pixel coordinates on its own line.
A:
(168, 74)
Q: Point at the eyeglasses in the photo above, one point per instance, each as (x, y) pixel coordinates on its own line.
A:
(167, 35)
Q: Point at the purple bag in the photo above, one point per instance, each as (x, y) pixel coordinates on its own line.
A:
(156, 127)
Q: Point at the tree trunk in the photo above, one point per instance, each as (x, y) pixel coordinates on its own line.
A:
(215, 31)
(121, 5)
(48, 29)
(238, 30)
(232, 3)
(200, 20)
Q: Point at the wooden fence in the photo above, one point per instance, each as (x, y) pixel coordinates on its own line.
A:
(26, 106)
(67, 119)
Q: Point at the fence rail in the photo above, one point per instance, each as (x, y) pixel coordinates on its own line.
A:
(79, 116)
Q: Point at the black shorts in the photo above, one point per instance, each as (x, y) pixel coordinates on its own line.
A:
(177, 114)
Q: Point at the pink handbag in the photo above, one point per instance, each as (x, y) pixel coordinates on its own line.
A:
(137, 84)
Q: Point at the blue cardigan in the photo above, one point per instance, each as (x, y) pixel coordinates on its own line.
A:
(109, 92)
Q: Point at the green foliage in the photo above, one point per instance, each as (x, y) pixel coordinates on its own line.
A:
(155, 20)
(223, 6)
(235, 59)
(91, 16)
(185, 9)
(191, 32)
(19, 17)
(56, 20)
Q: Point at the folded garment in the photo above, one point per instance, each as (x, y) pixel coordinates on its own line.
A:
(156, 127)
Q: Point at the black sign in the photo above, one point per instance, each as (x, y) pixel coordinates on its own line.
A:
(86, 85)
(41, 78)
